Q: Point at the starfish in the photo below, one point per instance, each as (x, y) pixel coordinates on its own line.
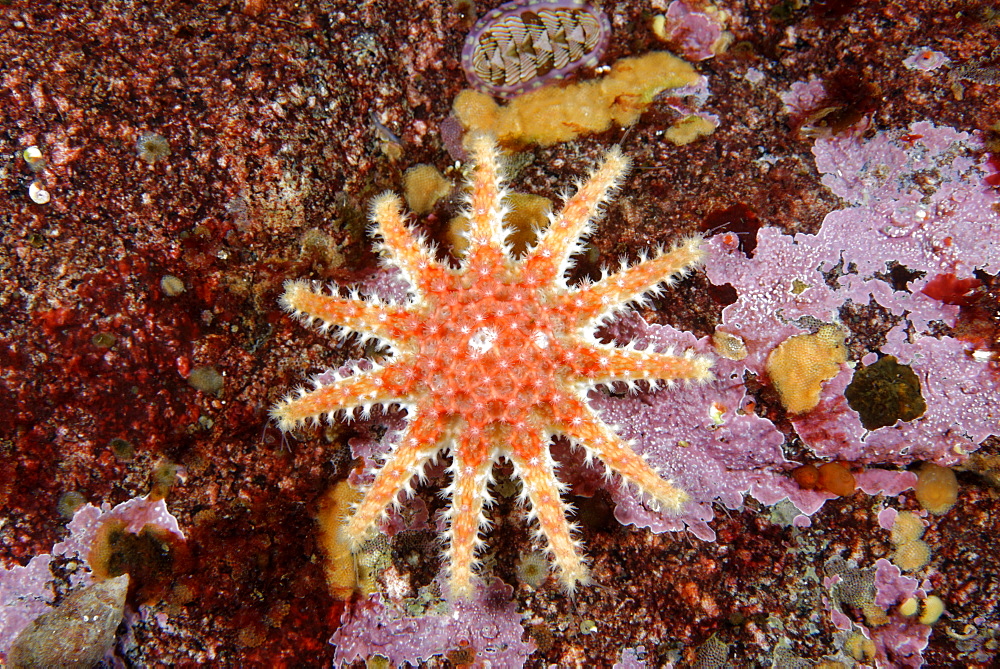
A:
(492, 359)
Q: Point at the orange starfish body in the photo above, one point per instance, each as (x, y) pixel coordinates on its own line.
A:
(492, 359)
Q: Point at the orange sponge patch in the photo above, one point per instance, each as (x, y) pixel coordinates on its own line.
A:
(836, 478)
(937, 488)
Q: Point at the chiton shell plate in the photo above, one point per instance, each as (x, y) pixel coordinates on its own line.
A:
(525, 44)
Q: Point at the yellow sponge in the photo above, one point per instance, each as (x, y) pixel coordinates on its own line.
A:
(334, 506)
(800, 364)
(556, 114)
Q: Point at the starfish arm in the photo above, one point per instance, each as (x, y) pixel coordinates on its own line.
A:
(533, 464)
(579, 422)
(402, 249)
(550, 258)
(486, 234)
(370, 318)
(470, 470)
(597, 300)
(384, 385)
(605, 364)
(419, 443)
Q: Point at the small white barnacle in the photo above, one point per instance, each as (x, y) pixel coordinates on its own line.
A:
(152, 147)
(34, 158)
(37, 193)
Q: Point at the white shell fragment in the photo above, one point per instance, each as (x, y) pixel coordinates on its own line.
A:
(37, 193)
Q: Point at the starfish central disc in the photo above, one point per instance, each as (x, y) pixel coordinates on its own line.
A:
(490, 354)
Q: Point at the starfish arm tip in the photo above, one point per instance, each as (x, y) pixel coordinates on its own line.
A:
(669, 497)
(386, 203)
(281, 414)
(292, 289)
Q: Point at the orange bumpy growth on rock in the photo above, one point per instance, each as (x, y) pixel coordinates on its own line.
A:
(493, 358)
(937, 488)
(800, 364)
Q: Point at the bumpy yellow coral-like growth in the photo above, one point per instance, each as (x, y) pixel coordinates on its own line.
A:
(800, 364)
(423, 186)
(560, 113)
(334, 508)
(491, 359)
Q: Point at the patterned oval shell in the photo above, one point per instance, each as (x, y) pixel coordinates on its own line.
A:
(524, 44)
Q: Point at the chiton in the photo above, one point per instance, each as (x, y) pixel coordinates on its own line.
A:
(525, 44)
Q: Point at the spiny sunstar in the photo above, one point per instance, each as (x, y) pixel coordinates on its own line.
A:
(492, 359)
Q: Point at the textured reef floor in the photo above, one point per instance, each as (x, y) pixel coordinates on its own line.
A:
(167, 166)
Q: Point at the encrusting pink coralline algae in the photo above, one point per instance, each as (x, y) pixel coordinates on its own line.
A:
(701, 437)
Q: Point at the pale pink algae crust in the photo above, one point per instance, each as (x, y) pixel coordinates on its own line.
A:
(694, 33)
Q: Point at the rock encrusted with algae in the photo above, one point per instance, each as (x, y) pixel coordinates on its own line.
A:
(76, 633)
